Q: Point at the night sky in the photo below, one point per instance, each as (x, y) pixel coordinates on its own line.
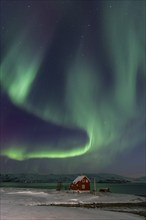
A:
(73, 86)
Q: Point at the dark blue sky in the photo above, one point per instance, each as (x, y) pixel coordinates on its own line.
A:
(73, 86)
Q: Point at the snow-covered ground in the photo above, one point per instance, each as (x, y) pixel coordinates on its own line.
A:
(30, 204)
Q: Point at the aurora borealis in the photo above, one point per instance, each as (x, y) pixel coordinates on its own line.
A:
(73, 86)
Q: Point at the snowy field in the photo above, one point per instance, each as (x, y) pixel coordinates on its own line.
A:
(35, 204)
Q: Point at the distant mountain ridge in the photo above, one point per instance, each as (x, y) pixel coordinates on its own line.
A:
(53, 178)
(141, 179)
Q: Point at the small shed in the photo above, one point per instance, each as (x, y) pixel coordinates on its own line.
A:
(104, 190)
(81, 183)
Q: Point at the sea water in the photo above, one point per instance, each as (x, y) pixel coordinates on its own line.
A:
(126, 188)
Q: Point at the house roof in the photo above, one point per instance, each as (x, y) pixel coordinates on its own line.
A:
(79, 178)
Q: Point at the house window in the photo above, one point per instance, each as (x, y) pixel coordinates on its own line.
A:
(86, 181)
(83, 186)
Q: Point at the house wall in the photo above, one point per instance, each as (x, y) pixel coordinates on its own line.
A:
(83, 185)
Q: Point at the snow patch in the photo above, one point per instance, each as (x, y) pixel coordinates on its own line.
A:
(28, 192)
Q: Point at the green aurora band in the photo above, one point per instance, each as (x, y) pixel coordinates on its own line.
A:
(21, 154)
(102, 116)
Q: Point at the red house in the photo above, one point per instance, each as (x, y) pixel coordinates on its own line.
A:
(81, 183)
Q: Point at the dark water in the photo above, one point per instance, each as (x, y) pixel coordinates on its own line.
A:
(127, 188)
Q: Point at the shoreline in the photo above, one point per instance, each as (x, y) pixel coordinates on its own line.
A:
(98, 205)
(116, 207)
(28, 201)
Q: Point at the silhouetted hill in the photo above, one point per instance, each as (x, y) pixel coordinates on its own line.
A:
(53, 178)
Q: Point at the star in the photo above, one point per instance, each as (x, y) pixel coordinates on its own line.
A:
(82, 36)
(110, 6)
(28, 6)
